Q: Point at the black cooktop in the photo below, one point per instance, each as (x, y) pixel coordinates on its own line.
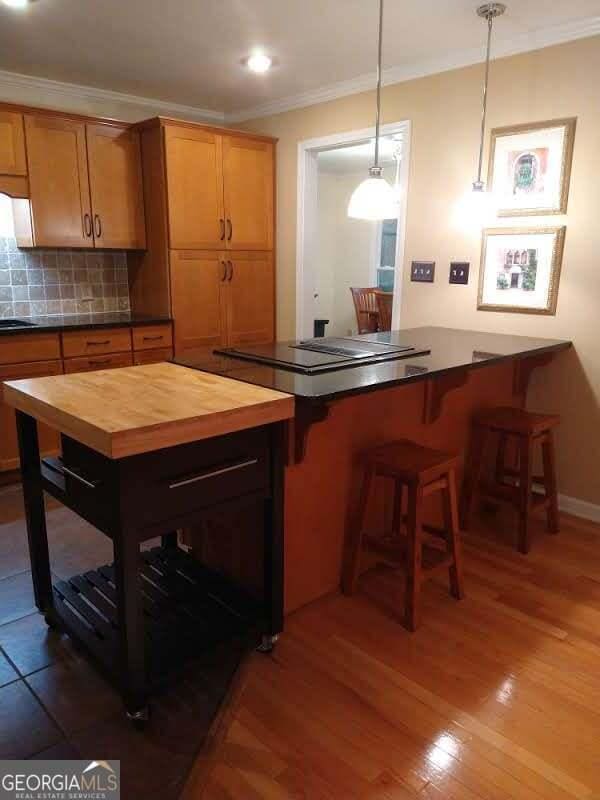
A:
(313, 356)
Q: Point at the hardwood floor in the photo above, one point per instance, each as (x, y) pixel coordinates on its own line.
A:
(494, 697)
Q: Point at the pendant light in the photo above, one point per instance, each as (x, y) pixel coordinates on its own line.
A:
(374, 198)
(489, 12)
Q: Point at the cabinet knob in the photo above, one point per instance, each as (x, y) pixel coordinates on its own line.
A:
(97, 226)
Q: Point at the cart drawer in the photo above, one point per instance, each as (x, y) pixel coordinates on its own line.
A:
(152, 337)
(166, 484)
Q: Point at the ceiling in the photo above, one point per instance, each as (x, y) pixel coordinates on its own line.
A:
(357, 158)
(189, 52)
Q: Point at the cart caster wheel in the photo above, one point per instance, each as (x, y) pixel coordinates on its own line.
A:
(267, 644)
(51, 622)
(139, 719)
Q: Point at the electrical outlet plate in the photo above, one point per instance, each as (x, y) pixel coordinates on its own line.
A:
(459, 272)
(422, 271)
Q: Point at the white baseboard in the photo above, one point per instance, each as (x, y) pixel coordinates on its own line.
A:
(579, 508)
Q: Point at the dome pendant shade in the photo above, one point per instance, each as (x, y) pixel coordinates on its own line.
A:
(374, 199)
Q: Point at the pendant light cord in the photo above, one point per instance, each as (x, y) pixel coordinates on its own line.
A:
(379, 53)
(490, 22)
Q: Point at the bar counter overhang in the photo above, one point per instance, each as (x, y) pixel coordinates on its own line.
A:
(429, 398)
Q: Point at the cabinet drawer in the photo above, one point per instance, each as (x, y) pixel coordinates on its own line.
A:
(96, 342)
(98, 362)
(153, 356)
(167, 484)
(24, 348)
(152, 337)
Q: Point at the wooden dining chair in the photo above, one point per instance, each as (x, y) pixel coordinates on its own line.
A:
(384, 306)
(365, 305)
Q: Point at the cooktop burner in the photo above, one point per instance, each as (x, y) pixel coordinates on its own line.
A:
(323, 355)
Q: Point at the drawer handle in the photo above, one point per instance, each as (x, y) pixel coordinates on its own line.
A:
(98, 361)
(213, 473)
(230, 233)
(89, 484)
(90, 343)
(153, 338)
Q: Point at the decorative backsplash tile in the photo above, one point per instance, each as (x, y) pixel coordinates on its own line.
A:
(49, 282)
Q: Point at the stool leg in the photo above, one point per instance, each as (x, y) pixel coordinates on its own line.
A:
(350, 576)
(525, 480)
(397, 516)
(550, 484)
(501, 458)
(453, 536)
(473, 468)
(414, 538)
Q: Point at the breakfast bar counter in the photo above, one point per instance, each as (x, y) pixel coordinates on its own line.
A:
(428, 394)
(146, 451)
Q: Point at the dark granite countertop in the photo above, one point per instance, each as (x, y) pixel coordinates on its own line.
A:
(451, 349)
(74, 322)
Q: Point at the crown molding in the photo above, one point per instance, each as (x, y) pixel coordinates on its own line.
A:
(532, 40)
(54, 93)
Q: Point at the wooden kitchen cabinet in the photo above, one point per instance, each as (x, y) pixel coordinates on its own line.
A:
(49, 438)
(198, 297)
(115, 169)
(12, 144)
(248, 193)
(61, 213)
(85, 186)
(250, 300)
(195, 188)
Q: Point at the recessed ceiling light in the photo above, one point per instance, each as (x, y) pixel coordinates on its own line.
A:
(259, 62)
(17, 3)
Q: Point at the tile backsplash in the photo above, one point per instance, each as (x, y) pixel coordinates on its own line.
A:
(49, 282)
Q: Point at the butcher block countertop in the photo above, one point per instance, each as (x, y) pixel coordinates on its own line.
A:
(122, 412)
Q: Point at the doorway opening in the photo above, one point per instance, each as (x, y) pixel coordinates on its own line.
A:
(334, 252)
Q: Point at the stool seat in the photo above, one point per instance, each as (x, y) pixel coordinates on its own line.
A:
(513, 483)
(516, 421)
(421, 471)
(410, 462)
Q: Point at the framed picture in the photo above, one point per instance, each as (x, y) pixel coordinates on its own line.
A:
(530, 167)
(520, 269)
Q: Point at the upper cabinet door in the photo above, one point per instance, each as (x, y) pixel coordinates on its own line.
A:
(58, 180)
(116, 189)
(195, 188)
(12, 144)
(250, 304)
(248, 180)
(198, 302)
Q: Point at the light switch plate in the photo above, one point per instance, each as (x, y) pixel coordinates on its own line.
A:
(422, 271)
(459, 272)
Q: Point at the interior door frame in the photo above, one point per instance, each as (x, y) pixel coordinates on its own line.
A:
(307, 219)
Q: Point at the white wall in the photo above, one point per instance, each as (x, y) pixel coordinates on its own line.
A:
(344, 254)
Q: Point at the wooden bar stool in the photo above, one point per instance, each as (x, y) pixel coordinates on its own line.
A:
(422, 471)
(513, 485)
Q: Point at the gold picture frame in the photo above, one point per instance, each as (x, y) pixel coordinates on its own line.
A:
(555, 146)
(535, 290)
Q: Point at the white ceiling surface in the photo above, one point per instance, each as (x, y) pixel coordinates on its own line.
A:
(188, 52)
(357, 158)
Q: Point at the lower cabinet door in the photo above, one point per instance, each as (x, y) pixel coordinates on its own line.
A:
(49, 439)
(198, 297)
(251, 298)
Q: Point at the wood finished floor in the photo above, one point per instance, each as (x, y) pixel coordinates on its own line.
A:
(495, 697)
(53, 702)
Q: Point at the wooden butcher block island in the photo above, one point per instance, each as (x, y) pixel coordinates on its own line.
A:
(146, 452)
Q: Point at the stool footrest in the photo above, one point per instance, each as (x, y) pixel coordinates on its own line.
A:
(394, 548)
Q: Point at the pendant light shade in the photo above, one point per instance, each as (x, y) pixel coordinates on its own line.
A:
(374, 199)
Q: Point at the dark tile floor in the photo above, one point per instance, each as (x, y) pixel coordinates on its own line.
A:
(54, 704)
